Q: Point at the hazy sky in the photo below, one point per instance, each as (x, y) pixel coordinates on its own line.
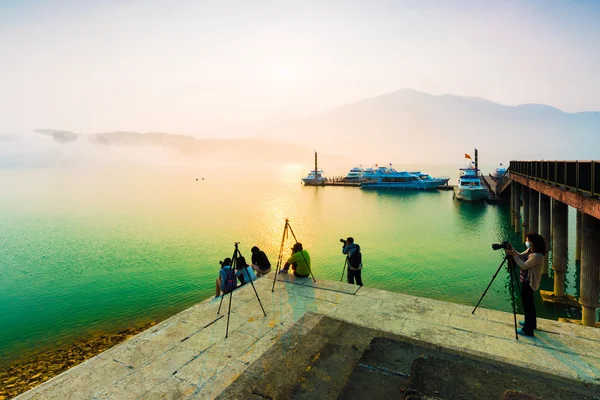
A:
(194, 66)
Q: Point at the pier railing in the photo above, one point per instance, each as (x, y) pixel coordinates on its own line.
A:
(577, 176)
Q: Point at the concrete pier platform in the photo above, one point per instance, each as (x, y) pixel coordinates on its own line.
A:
(188, 357)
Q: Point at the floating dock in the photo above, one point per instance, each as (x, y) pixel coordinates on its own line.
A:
(329, 339)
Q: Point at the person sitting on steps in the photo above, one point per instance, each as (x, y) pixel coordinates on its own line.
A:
(226, 281)
(243, 271)
(300, 262)
(260, 262)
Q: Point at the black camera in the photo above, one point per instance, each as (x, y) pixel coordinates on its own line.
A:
(220, 263)
(504, 245)
(343, 241)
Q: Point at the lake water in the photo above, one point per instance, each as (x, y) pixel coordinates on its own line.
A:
(95, 250)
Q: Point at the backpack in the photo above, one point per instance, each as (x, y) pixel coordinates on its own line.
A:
(355, 259)
(230, 280)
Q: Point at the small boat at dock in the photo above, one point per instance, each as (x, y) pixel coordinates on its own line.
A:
(314, 177)
(469, 185)
(499, 172)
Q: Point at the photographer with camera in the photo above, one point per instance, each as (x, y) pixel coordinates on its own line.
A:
(530, 262)
(354, 260)
(226, 282)
(299, 261)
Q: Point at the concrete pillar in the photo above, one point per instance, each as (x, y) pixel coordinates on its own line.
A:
(525, 226)
(545, 228)
(559, 246)
(534, 210)
(518, 189)
(578, 236)
(512, 203)
(590, 268)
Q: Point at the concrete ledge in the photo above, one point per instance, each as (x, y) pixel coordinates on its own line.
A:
(575, 321)
(567, 300)
(188, 357)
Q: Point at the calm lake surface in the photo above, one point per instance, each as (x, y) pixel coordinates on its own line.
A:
(84, 251)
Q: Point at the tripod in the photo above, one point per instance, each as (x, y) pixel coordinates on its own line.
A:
(511, 272)
(231, 276)
(280, 257)
(344, 270)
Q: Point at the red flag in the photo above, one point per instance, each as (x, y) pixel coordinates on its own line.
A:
(467, 156)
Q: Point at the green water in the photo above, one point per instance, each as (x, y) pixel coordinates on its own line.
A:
(85, 251)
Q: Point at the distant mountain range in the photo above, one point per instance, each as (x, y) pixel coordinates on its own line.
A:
(409, 126)
(405, 126)
(244, 151)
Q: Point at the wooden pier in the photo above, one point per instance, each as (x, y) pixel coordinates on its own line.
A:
(540, 195)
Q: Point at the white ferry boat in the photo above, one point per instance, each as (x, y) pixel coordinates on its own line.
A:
(355, 175)
(310, 178)
(426, 177)
(469, 185)
(499, 172)
(389, 178)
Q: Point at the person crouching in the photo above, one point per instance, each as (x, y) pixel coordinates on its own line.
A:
(226, 281)
(299, 261)
(244, 272)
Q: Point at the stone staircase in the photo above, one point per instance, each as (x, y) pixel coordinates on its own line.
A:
(323, 358)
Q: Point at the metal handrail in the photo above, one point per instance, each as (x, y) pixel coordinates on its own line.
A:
(573, 175)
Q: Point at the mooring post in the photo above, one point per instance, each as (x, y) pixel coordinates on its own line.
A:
(545, 227)
(518, 187)
(525, 226)
(559, 246)
(534, 210)
(578, 236)
(590, 268)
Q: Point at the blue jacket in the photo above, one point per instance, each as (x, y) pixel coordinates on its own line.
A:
(349, 249)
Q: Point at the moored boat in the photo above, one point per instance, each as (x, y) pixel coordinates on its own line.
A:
(355, 175)
(469, 185)
(442, 180)
(314, 177)
(499, 172)
(389, 178)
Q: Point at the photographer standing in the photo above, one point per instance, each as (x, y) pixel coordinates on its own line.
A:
(354, 258)
(530, 262)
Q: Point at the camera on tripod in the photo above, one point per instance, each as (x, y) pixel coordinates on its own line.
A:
(504, 245)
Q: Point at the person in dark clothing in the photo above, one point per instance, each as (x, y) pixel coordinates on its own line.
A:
(260, 262)
(531, 263)
(354, 271)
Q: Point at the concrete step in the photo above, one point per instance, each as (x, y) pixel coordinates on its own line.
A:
(383, 371)
(463, 378)
(323, 358)
(326, 376)
(397, 369)
(275, 374)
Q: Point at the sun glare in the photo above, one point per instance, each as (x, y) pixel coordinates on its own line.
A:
(284, 73)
